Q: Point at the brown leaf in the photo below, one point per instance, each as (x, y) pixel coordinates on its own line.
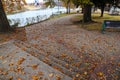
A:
(51, 75)
(20, 61)
(119, 64)
(34, 77)
(74, 78)
(34, 66)
(40, 73)
(24, 48)
(59, 69)
(77, 75)
(69, 58)
(10, 77)
(30, 59)
(19, 79)
(19, 69)
(66, 65)
(100, 74)
(1, 57)
(85, 73)
(5, 73)
(23, 72)
(58, 77)
(77, 64)
(1, 70)
(116, 77)
(46, 60)
(63, 55)
(11, 64)
(11, 69)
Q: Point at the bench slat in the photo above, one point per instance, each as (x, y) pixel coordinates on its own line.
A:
(110, 24)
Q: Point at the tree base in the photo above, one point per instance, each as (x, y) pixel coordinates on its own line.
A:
(81, 21)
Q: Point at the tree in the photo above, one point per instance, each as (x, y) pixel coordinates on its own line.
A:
(87, 5)
(87, 13)
(102, 3)
(4, 24)
(13, 5)
(50, 3)
(67, 4)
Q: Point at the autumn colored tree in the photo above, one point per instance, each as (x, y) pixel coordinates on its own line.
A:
(13, 5)
(4, 24)
(68, 4)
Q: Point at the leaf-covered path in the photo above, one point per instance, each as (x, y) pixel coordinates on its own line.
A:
(87, 53)
(78, 53)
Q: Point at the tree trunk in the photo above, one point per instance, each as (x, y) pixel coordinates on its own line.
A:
(82, 10)
(68, 7)
(67, 10)
(102, 10)
(4, 24)
(87, 13)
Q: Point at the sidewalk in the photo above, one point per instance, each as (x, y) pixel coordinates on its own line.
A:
(63, 45)
(16, 64)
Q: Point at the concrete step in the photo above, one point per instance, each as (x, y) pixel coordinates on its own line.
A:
(11, 54)
(56, 63)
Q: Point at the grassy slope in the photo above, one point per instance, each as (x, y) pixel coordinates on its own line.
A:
(98, 21)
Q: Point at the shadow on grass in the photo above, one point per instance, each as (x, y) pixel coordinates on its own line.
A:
(100, 18)
(92, 25)
(96, 23)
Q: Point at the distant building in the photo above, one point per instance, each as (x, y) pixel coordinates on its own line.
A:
(37, 2)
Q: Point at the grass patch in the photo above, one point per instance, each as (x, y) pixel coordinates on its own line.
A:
(97, 24)
(59, 15)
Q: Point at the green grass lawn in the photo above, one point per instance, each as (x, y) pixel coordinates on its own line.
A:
(58, 16)
(97, 25)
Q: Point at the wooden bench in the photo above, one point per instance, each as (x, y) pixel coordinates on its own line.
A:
(110, 24)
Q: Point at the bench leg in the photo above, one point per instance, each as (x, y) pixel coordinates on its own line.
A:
(103, 28)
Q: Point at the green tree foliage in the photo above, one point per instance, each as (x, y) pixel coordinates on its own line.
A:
(77, 2)
(82, 2)
(86, 5)
(50, 3)
(67, 4)
(102, 3)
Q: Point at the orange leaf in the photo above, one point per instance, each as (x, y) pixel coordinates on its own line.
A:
(100, 74)
(19, 79)
(34, 66)
(20, 61)
(35, 77)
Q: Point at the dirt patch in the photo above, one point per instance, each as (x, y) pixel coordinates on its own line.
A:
(19, 33)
